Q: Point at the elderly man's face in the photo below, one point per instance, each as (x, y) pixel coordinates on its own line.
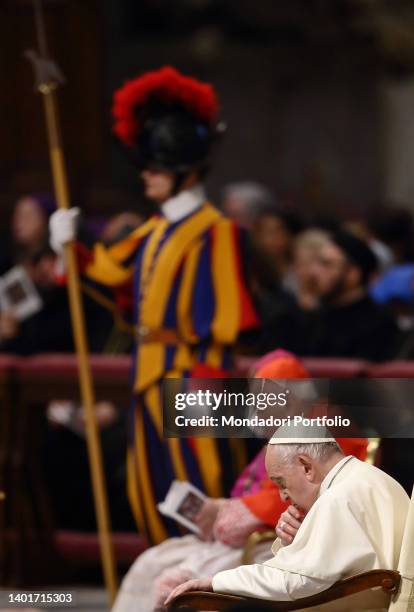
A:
(298, 479)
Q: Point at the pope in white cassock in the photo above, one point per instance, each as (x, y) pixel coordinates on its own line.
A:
(352, 521)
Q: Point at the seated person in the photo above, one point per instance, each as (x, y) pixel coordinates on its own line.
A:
(354, 517)
(49, 330)
(27, 231)
(273, 237)
(347, 323)
(225, 525)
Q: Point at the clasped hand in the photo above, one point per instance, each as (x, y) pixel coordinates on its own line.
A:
(288, 524)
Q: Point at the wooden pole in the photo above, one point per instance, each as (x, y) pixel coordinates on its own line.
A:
(79, 331)
(48, 78)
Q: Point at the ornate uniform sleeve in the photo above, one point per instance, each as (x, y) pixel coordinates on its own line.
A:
(113, 266)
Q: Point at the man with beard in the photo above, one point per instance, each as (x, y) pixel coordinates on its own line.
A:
(348, 323)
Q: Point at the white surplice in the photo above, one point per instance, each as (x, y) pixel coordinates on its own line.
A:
(186, 554)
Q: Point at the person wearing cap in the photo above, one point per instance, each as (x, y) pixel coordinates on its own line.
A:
(345, 517)
(226, 524)
(184, 270)
(348, 323)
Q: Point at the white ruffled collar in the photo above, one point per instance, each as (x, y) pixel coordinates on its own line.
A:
(183, 204)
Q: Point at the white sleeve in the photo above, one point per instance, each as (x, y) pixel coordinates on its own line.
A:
(265, 582)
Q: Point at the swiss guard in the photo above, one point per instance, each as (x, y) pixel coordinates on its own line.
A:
(184, 271)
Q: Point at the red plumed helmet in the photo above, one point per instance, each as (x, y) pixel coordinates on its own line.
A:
(166, 88)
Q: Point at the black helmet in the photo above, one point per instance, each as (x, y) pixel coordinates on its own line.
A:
(167, 120)
(174, 141)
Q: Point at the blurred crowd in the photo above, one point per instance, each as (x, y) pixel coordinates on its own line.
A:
(323, 286)
(327, 287)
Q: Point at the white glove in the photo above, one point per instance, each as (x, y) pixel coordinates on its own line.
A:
(63, 225)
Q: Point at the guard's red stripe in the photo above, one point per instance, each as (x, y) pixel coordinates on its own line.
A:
(248, 315)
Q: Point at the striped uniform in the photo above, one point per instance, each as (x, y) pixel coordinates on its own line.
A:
(187, 277)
